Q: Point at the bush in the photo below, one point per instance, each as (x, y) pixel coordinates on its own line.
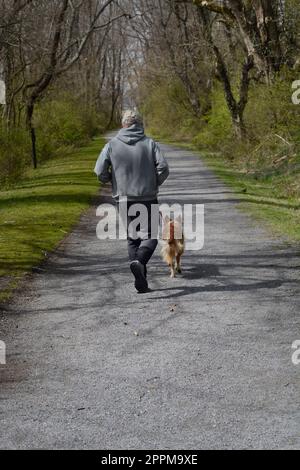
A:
(61, 123)
(272, 147)
(14, 155)
(216, 128)
(166, 109)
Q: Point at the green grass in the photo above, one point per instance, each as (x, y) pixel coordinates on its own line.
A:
(36, 214)
(263, 196)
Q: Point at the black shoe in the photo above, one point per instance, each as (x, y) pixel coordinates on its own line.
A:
(141, 283)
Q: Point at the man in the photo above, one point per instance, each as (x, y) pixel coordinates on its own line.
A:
(135, 166)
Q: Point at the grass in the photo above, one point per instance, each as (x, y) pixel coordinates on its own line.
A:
(262, 196)
(36, 214)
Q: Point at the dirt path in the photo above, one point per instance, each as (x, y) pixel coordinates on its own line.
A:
(204, 361)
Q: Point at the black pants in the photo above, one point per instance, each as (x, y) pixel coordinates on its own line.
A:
(142, 249)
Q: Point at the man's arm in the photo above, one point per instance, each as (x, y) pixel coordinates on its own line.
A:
(103, 165)
(161, 164)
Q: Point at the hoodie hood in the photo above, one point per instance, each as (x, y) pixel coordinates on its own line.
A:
(131, 135)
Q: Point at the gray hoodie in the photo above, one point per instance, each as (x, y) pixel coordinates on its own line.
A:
(134, 164)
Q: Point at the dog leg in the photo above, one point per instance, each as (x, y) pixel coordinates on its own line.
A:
(178, 264)
(172, 266)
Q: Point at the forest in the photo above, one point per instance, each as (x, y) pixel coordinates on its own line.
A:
(219, 74)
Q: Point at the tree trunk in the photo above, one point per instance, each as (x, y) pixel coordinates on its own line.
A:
(239, 125)
(29, 113)
(192, 95)
(267, 23)
(236, 108)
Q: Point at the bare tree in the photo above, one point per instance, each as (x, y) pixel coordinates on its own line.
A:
(236, 106)
(48, 51)
(258, 23)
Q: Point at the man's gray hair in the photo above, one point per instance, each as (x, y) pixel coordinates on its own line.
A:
(131, 117)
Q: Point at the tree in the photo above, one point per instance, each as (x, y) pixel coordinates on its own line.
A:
(44, 43)
(258, 23)
(236, 106)
(64, 51)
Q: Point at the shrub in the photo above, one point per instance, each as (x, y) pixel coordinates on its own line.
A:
(167, 111)
(272, 147)
(216, 130)
(14, 155)
(59, 123)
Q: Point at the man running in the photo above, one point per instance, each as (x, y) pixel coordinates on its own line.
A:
(136, 167)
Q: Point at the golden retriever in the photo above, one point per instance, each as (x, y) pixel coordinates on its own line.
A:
(174, 245)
